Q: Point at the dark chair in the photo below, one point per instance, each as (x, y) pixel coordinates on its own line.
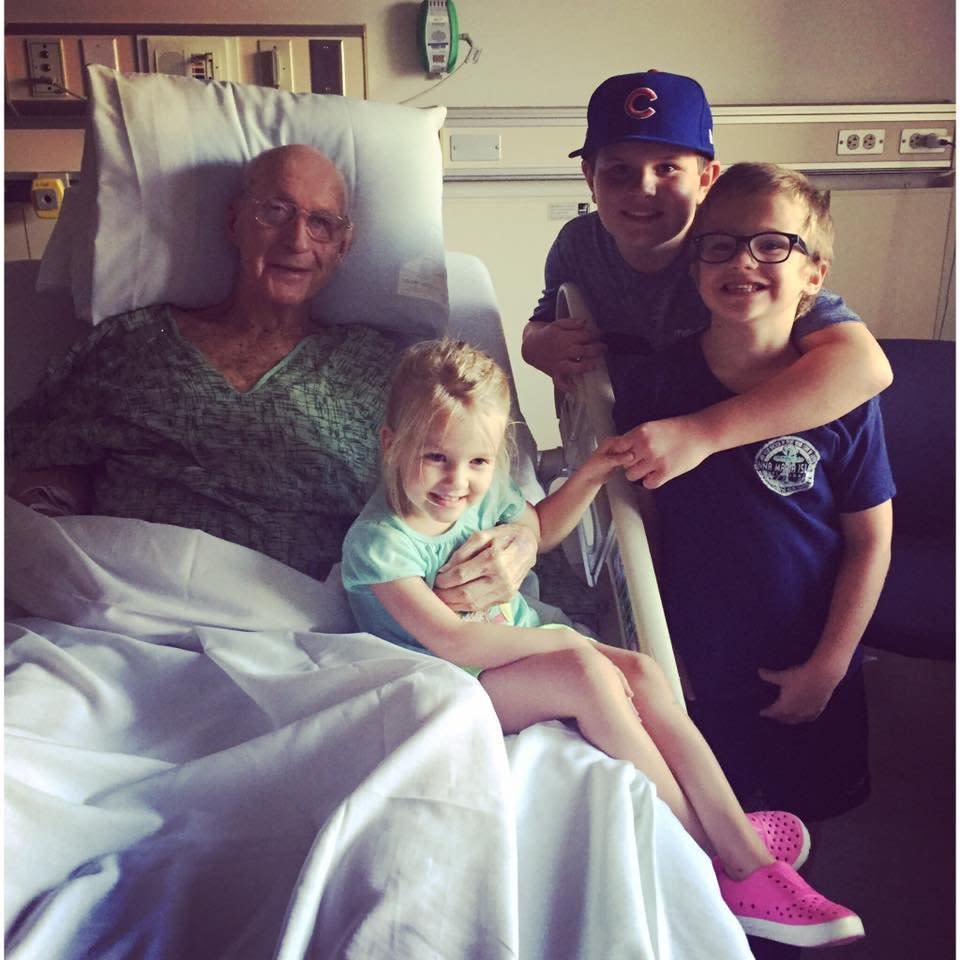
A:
(916, 614)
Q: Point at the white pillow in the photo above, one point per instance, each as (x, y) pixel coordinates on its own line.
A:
(163, 158)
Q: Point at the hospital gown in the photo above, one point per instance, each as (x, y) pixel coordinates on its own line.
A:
(282, 468)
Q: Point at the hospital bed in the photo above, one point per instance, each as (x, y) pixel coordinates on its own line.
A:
(203, 758)
(611, 547)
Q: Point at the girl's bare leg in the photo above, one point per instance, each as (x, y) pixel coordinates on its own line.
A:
(689, 757)
(584, 686)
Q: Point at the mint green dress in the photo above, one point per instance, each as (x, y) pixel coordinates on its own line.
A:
(283, 468)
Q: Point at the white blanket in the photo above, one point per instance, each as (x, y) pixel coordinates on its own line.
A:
(203, 761)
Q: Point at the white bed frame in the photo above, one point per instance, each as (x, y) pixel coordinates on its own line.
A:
(612, 540)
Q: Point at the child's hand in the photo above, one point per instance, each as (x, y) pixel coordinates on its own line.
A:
(563, 349)
(664, 449)
(610, 454)
(805, 691)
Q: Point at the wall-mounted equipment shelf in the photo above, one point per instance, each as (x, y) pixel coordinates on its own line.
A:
(533, 142)
(45, 62)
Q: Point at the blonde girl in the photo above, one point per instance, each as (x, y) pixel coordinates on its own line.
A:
(445, 452)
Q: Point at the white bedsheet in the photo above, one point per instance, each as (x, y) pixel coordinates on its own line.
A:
(201, 764)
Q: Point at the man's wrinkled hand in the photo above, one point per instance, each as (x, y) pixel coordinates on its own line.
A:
(488, 568)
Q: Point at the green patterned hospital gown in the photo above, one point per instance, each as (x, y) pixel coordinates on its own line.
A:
(283, 468)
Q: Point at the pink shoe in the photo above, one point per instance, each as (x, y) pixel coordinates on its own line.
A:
(776, 903)
(784, 835)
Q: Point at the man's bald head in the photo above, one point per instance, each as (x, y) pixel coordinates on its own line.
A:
(265, 170)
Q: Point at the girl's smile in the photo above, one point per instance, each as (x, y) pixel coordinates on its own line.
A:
(454, 470)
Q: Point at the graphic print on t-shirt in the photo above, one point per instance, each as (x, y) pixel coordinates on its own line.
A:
(787, 465)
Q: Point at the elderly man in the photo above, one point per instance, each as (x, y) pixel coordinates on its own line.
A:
(247, 419)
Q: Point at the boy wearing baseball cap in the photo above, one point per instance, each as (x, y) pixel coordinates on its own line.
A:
(648, 159)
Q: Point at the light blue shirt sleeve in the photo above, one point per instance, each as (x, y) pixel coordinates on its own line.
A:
(378, 552)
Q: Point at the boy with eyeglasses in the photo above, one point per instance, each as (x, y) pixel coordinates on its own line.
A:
(772, 554)
(649, 160)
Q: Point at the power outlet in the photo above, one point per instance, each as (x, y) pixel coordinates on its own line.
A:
(275, 64)
(860, 141)
(45, 66)
(924, 140)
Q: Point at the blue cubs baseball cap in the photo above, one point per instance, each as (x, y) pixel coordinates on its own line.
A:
(659, 107)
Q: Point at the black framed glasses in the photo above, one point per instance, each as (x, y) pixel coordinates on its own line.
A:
(322, 226)
(771, 246)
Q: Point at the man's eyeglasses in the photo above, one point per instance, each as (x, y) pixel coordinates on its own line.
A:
(322, 226)
(770, 247)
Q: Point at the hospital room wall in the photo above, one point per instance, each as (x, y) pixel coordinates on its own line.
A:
(545, 53)
(552, 52)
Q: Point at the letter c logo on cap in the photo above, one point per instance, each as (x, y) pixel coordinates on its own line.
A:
(643, 94)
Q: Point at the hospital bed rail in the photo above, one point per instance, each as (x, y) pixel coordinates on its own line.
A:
(611, 542)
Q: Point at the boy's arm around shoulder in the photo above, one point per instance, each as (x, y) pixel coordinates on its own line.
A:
(831, 325)
(841, 366)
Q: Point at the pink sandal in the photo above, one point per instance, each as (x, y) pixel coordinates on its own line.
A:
(776, 903)
(784, 835)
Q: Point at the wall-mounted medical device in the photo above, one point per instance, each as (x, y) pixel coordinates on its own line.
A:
(46, 193)
(438, 36)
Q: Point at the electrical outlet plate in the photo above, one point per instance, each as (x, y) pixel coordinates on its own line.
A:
(101, 50)
(860, 141)
(45, 68)
(205, 58)
(912, 139)
(275, 64)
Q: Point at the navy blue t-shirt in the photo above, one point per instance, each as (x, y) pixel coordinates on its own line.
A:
(750, 540)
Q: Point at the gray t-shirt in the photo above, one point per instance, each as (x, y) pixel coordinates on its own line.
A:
(641, 312)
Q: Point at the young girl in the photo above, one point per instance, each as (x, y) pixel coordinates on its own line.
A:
(445, 457)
